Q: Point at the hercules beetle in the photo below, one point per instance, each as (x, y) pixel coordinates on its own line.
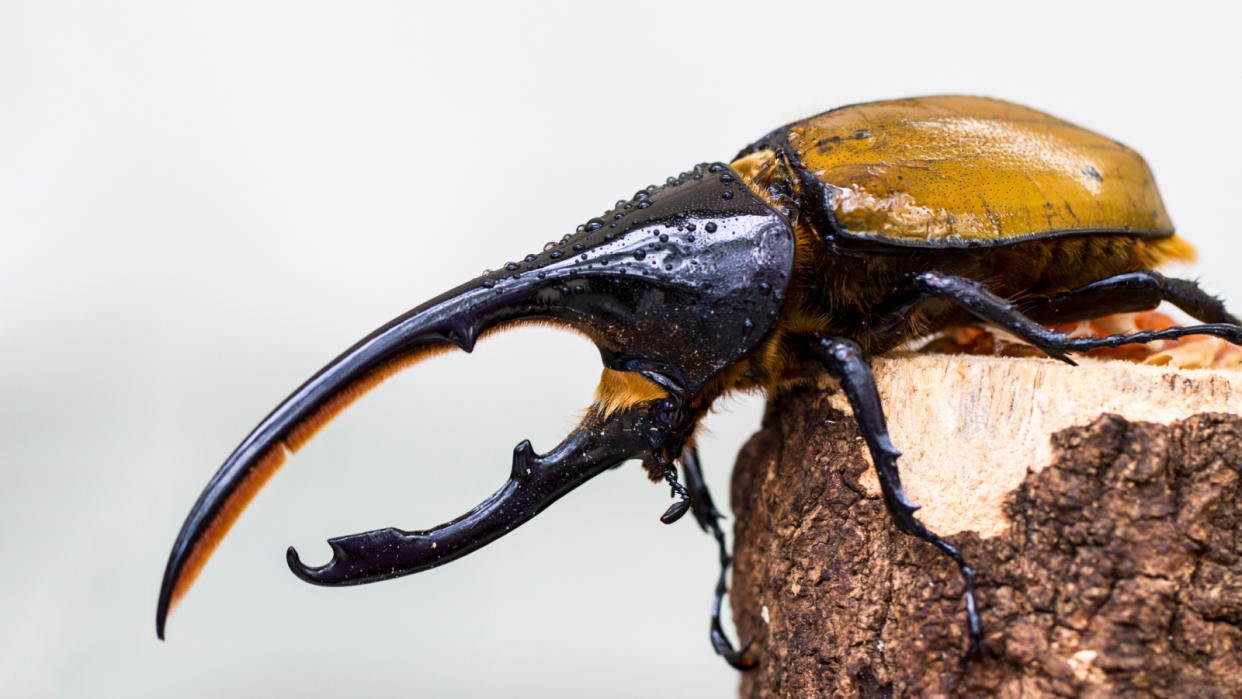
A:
(826, 241)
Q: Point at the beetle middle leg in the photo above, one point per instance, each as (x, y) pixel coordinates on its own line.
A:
(846, 362)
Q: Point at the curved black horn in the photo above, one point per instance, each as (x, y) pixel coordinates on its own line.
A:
(455, 318)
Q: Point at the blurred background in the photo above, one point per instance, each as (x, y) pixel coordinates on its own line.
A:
(202, 203)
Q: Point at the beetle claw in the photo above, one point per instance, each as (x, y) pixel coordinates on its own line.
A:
(737, 659)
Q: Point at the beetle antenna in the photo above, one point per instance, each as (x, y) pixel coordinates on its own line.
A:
(679, 508)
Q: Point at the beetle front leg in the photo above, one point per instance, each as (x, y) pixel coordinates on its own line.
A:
(848, 364)
(677, 415)
(708, 517)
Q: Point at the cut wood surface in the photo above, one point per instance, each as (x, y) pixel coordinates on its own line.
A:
(1098, 504)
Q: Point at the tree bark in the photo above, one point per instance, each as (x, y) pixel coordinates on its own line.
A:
(1099, 506)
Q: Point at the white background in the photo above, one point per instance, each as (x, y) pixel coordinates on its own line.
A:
(201, 203)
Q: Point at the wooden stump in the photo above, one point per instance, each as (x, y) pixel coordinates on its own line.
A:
(1099, 505)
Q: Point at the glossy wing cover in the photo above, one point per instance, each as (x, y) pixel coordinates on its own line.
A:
(955, 170)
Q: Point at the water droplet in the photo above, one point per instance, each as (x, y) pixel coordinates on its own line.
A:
(619, 216)
(512, 266)
(578, 289)
(727, 195)
(548, 246)
(594, 224)
(764, 287)
(691, 226)
(541, 275)
(579, 247)
(726, 178)
(689, 239)
(715, 167)
(668, 267)
(528, 258)
(641, 194)
(664, 237)
(620, 203)
(640, 254)
(710, 227)
(487, 284)
(643, 204)
(747, 324)
(556, 254)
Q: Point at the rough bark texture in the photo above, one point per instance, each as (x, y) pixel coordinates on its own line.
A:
(1117, 572)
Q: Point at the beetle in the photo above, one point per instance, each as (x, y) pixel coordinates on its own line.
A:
(825, 242)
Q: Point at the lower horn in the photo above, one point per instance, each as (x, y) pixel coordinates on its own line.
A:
(535, 482)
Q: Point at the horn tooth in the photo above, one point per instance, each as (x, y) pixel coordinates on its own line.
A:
(463, 334)
(523, 459)
(299, 568)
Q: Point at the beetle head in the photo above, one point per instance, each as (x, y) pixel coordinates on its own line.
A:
(678, 283)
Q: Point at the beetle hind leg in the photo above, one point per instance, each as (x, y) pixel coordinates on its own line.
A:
(1130, 292)
(1134, 291)
(847, 363)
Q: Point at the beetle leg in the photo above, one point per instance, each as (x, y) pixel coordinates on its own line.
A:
(848, 364)
(701, 504)
(1129, 292)
(680, 417)
(1229, 333)
(975, 298)
(708, 517)
(1004, 314)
